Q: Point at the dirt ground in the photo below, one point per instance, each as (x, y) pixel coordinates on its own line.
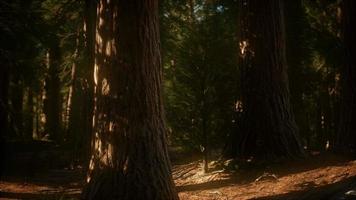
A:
(319, 177)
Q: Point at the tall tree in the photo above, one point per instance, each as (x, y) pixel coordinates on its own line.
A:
(53, 96)
(4, 86)
(268, 127)
(346, 134)
(16, 99)
(129, 156)
(29, 115)
(90, 18)
(297, 51)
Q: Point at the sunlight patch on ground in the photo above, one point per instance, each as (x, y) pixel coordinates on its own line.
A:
(191, 187)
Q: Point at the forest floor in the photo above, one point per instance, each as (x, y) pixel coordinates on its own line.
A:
(324, 176)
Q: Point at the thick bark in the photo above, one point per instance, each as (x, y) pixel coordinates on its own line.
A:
(129, 155)
(268, 127)
(53, 97)
(346, 141)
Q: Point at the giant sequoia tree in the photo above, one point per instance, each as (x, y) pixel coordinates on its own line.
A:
(129, 154)
(346, 133)
(268, 128)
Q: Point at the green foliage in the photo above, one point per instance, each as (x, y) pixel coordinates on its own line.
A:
(199, 49)
(314, 58)
(200, 65)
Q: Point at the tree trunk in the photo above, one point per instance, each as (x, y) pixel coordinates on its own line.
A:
(88, 91)
(37, 113)
(4, 87)
(71, 92)
(29, 115)
(268, 127)
(73, 123)
(205, 144)
(53, 96)
(346, 141)
(296, 51)
(129, 153)
(17, 96)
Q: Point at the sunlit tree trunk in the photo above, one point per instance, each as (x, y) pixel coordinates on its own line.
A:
(52, 105)
(129, 155)
(346, 140)
(70, 96)
(72, 121)
(268, 127)
(79, 104)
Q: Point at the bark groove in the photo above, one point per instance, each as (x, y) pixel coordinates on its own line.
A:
(268, 128)
(129, 158)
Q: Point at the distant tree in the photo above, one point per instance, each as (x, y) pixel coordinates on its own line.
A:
(16, 101)
(200, 66)
(298, 58)
(4, 87)
(346, 141)
(129, 153)
(268, 128)
(53, 99)
(321, 74)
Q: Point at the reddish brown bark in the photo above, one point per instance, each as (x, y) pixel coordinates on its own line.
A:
(129, 155)
(346, 141)
(268, 128)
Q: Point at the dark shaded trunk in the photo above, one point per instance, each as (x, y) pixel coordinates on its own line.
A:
(268, 128)
(319, 128)
(205, 145)
(346, 141)
(204, 118)
(297, 50)
(29, 115)
(129, 153)
(4, 87)
(88, 71)
(37, 114)
(52, 103)
(17, 96)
